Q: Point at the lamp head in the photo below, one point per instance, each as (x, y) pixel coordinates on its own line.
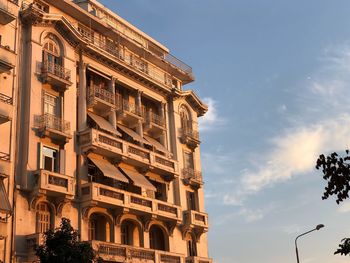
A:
(318, 227)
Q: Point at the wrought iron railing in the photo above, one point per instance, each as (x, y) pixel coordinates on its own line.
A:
(103, 94)
(56, 69)
(49, 121)
(191, 133)
(131, 107)
(156, 119)
(190, 173)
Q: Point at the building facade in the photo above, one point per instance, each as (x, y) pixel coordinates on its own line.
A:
(97, 128)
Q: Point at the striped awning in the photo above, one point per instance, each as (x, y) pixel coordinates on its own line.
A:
(108, 169)
(139, 179)
(5, 205)
(103, 124)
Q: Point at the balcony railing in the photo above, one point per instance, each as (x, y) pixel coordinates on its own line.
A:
(52, 122)
(110, 146)
(103, 94)
(198, 260)
(190, 133)
(113, 197)
(196, 219)
(56, 70)
(54, 183)
(189, 173)
(123, 253)
(156, 119)
(131, 108)
(117, 51)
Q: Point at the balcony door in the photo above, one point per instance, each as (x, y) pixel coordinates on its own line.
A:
(52, 105)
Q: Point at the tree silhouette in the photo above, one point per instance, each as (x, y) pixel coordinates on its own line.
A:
(63, 245)
(336, 171)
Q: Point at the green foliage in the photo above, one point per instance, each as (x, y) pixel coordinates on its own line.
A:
(63, 245)
(336, 170)
(344, 247)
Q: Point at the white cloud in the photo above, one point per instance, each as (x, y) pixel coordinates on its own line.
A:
(344, 207)
(251, 215)
(296, 152)
(291, 229)
(211, 119)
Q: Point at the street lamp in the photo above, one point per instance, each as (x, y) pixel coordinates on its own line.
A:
(318, 227)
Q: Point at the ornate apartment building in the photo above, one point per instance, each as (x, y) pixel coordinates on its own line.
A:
(95, 126)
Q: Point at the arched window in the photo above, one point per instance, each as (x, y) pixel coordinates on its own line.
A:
(186, 123)
(157, 238)
(99, 228)
(191, 246)
(51, 52)
(43, 217)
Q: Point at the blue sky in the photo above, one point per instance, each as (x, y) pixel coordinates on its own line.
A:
(276, 75)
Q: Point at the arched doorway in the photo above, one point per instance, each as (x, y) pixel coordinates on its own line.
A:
(130, 233)
(100, 228)
(158, 239)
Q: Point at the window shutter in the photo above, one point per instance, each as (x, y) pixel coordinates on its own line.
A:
(62, 161)
(40, 155)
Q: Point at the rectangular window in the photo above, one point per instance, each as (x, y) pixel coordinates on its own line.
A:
(51, 105)
(50, 159)
(191, 200)
(188, 160)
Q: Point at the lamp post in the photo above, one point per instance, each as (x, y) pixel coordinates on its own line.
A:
(318, 227)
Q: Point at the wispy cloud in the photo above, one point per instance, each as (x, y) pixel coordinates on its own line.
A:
(211, 120)
(321, 127)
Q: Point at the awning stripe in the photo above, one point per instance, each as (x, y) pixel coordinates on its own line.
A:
(138, 179)
(108, 169)
(103, 124)
(5, 205)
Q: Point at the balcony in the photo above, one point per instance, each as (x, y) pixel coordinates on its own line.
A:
(5, 165)
(7, 12)
(6, 108)
(55, 74)
(54, 127)
(53, 184)
(192, 177)
(154, 123)
(128, 112)
(110, 197)
(115, 148)
(190, 137)
(101, 100)
(196, 220)
(7, 57)
(198, 260)
(112, 252)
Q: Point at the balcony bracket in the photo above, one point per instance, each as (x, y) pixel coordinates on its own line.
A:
(195, 232)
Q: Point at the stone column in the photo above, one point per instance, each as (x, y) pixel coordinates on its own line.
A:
(162, 115)
(82, 117)
(112, 115)
(138, 103)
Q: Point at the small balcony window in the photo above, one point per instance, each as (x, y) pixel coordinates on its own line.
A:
(50, 159)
